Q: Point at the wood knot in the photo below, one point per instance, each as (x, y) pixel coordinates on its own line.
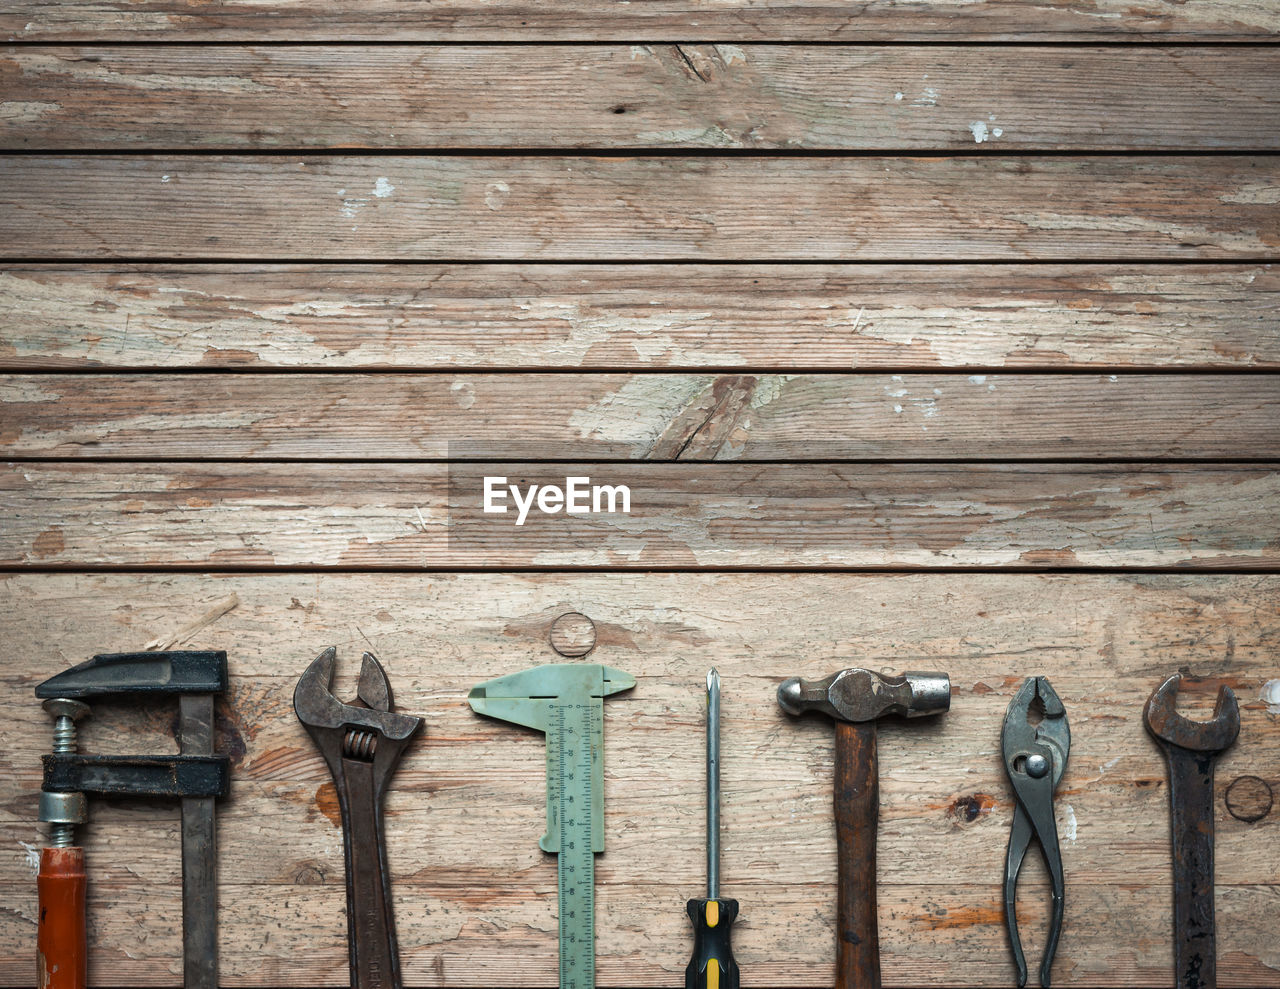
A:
(967, 809)
(327, 803)
(309, 874)
(1249, 798)
(573, 635)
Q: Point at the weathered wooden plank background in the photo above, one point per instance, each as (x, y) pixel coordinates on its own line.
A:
(608, 208)
(796, 515)
(668, 20)
(837, 288)
(644, 416)
(641, 316)
(643, 96)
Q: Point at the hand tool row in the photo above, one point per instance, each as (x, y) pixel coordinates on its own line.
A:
(362, 741)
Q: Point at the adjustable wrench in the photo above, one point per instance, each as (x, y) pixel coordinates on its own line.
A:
(362, 743)
(1191, 748)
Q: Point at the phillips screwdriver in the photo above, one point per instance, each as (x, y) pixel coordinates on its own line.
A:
(712, 966)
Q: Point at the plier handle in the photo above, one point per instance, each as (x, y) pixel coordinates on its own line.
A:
(1035, 756)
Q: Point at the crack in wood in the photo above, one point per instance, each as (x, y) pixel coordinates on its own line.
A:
(710, 419)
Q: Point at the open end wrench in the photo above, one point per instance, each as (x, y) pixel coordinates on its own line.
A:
(362, 743)
(1191, 748)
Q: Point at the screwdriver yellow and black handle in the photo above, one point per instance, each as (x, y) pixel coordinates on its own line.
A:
(712, 966)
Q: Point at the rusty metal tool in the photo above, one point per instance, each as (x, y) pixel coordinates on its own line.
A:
(712, 965)
(856, 698)
(361, 742)
(196, 776)
(566, 702)
(1191, 747)
(1035, 751)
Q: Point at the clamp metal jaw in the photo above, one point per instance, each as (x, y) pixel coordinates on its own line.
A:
(1035, 757)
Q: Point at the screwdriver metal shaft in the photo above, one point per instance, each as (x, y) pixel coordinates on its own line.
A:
(712, 966)
(713, 785)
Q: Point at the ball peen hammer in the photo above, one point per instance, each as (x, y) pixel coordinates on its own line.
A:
(856, 699)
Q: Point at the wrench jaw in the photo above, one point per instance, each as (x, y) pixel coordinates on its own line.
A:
(362, 743)
(374, 689)
(365, 731)
(1169, 727)
(319, 710)
(369, 733)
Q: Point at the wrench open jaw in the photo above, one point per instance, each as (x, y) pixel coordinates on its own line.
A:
(362, 742)
(1191, 748)
(1168, 726)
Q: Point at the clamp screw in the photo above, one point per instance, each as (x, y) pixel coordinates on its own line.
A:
(66, 713)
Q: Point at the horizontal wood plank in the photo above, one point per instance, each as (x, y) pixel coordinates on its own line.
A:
(641, 96)
(1118, 935)
(664, 20)
(475, 898)
(466, 762)
(739, 317)
(642, 416)
(639, 208)
(71, 515)
(129, 847)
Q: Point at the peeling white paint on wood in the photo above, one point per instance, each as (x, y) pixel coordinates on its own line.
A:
(23, 111)
(464, 393)
(1069, 825)
(495, 195)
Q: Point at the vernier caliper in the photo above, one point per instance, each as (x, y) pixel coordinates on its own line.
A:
(566, 701)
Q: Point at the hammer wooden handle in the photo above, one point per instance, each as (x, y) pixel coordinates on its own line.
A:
(60, 931)
(857, 809)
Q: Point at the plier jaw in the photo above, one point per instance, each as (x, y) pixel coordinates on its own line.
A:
(1035, 757)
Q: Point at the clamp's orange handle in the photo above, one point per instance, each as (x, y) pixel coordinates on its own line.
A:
(60, 933)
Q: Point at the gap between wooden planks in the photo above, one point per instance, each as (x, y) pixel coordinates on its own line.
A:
(641, 316)
(484, 208)
(866, 21)
(759, 417)
(483, 913)
(641, 96)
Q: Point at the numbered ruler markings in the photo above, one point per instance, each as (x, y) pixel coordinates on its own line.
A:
(573, 727)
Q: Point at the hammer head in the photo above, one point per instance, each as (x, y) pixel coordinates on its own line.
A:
(864, 695)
